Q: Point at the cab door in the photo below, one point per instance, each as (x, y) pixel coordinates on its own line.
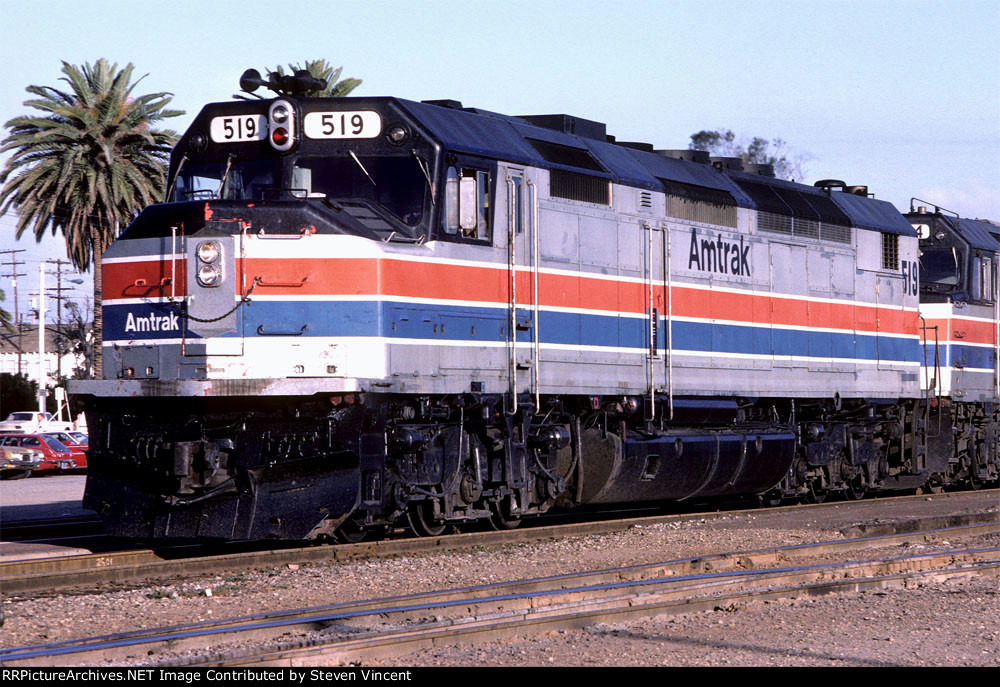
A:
(520, 241)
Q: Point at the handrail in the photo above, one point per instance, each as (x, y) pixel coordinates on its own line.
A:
(285, 284)
(512, 297)
(535, 266)
(261, 332)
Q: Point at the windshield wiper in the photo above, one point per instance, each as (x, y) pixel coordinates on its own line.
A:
(355, 158)
(427, 173)
(177, 173)
(225, 175)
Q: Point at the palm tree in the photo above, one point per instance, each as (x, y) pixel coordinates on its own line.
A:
(87, 165)
(320, 69)
(6, 322)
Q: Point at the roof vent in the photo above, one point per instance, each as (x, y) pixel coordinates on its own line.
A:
(699, 156)
(828, 184)
(450, 104)
(733, 164)
(857, 190)
(760, 169)
(585, 128)
(648, 147)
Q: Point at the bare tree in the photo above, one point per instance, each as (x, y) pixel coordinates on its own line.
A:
(774, 152)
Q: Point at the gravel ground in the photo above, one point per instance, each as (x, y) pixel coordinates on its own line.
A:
(940, 623)
(945, 624)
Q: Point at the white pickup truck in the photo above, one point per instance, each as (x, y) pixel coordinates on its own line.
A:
(31, 422)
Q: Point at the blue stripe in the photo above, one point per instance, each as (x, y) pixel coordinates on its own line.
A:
(962, 356)
(485, 324)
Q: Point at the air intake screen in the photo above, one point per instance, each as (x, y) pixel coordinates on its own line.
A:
(582, 187)
(699, 204)
(565, 155)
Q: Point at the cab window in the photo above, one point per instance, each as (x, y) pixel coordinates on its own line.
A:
(467, 203)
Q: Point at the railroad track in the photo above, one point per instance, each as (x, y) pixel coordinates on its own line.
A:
(350, 632)
(46, 576)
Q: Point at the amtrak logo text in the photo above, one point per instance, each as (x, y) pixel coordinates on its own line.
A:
(719, 255)
(153, 323)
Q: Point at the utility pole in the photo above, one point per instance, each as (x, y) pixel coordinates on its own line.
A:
(17, 314)
(59, 299)
(42, 391)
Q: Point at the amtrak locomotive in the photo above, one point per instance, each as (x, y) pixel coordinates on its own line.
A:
(355, 312)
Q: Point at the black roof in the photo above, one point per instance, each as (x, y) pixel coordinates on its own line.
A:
(561, 141)
(503, 137)
(979, 234)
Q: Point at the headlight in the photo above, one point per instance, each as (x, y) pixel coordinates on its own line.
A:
(280, 114)
(209, 275)
(208, 251)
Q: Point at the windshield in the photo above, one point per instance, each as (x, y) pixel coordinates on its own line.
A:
(21, 417)
(245, 180)
(939, 267)
(397, 184)
(55, 444)
(61, 437)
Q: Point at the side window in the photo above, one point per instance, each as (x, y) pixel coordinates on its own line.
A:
(983, 286)
(467, 203)
(31, 441)
(517, 203)
(890, 252)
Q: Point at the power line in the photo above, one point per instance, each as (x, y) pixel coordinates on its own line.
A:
(14, 262)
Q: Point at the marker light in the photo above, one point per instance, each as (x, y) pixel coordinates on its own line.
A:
(397, 135)
(281, 124)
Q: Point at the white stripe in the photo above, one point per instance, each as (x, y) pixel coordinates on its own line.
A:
(946, 311)
(157, 257)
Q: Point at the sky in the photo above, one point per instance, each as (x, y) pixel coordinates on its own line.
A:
(900, 95)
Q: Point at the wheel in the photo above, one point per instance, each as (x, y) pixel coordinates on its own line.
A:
(974, 482)
(501, 518)
(15, 474)
(351, 532)
(771, 499)
(855, 490)
(931, 488)
(421, 522)
(815, 494)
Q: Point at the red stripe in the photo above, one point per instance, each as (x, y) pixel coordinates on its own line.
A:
(961, 331)
(143, 279)
(429, 280)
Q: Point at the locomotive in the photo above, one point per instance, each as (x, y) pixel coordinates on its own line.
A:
(351, 313)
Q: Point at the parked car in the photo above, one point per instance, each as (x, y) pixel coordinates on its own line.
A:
(17, 462)
(33, 421)
(56, 455)
(81, 437)
(75, 446)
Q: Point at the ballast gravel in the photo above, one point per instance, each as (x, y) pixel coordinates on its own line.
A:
(948, 622)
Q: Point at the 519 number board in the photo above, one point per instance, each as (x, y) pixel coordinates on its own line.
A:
(360, 124)
(238, 128)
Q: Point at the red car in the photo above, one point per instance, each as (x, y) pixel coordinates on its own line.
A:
(57, 455)
(76, 446)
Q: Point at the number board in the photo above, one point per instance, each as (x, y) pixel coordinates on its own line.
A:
(361, 124)
(238, 128)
